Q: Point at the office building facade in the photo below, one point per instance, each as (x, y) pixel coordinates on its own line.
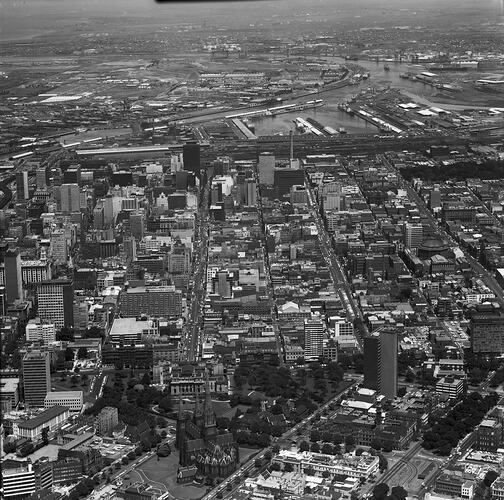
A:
(55, 302)
(380, 362)
(36, 372)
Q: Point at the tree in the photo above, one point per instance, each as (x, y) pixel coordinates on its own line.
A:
(82, 353)
(315, 448)
(304, 446)
(66, 334)
(69, 354)
(131, 455)
(257, 463)
(74, 380)
(401, 392)
(45, 435)
(382, 462)
(325, 474)
(314, 435)
(359, 452)
(380, 491)
(9, 447)
(327, 449)
(94, 332)
(275, 466)
(490, 477)
(268, 455)
(398, 493)
(275, 449)
(146, 380)
(288, 467)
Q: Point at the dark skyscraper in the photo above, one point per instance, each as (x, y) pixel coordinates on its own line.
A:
(36, 377)
(13, 279)
(192, 161)
(380, 362)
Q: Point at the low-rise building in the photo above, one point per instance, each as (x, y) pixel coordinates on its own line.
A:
(351, 466)
(52, 418)
(73, 399)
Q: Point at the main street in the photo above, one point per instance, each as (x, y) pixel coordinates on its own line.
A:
(340, 281)
(192, 339)
(241, 473)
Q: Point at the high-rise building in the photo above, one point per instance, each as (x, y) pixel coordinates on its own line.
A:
(487, 333)
(380, 362)
(22, 185)
(191, 152)
(130, 248)
(36, 377)
(3, 301)
(40, 332)
(314, 337)
(250, 193)
(59, 248)
(176, 163)
(70, 198)
(266, 168)
(137, 225)
(19, 481)
(41, 177)
(13, 276)
(413, 235)
(106, 420)
(435, 198)
(55, 302)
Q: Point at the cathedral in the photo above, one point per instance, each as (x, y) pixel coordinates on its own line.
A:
(200, 444)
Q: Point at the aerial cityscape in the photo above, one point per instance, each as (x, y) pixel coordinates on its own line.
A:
(252, 250)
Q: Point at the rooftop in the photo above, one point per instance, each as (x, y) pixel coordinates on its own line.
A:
(43, 417)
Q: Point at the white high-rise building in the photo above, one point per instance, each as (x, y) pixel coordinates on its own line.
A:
(413, 235)
(314, 337)
(37, 331)
(250, 193)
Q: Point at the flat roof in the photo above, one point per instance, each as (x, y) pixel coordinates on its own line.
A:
(136, 149)
(43, 417)
(64, 394)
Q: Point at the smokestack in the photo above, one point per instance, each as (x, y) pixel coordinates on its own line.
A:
(291, 145)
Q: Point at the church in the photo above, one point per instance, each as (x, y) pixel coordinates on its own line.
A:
(201, 445)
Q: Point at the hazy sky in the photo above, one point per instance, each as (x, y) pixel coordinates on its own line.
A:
(49, 14)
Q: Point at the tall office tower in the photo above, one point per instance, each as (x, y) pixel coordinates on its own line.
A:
(22, 185)
(314, 338)
(487, 333)
(59, 248)
(176, 163)
(3, 301)
(13, 276)
(130, 248)
(41, 177)
(70, 198)
(435, 198)
(223, 284)
(413, 235)
(191, 152)
(266, 168)
(137, 226)
(179, 259)
(55, 302)
(36, 373)
(380, 362)
(250, 193)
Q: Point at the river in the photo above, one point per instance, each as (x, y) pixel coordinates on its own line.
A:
(330, 115)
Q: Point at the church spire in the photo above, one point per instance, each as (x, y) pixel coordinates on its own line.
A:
(208, 410)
